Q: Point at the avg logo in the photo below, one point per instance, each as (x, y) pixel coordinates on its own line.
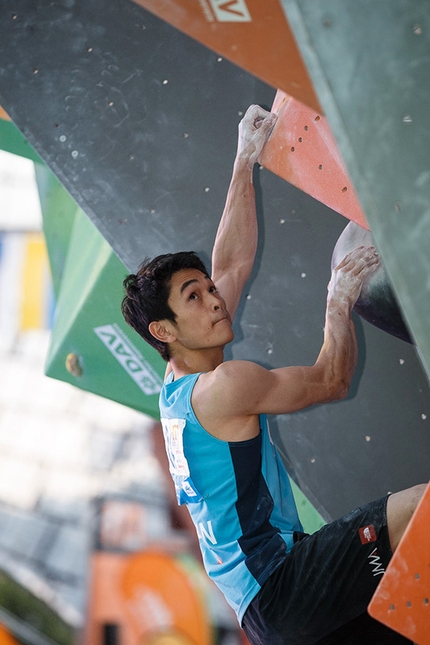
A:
(230, 10)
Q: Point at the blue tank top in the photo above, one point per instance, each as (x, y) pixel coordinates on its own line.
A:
(238, 494)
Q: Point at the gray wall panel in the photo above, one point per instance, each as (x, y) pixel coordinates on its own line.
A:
(370, 64)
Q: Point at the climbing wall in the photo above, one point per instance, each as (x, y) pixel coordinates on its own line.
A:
(139, 123)
(370, 67)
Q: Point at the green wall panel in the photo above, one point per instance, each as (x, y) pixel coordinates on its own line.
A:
(110, 358)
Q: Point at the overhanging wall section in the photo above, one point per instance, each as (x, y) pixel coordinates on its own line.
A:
(370, 66)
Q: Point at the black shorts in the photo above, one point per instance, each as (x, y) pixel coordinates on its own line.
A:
(320, 593)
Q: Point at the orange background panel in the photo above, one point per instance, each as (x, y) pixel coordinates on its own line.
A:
(6, 638)
(253, 34)
(146, 594)
(402, 599)
(160, 573)
(303, 151)
(3, 114)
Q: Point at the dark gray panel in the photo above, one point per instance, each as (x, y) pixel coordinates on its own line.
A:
(85, 83)
(377, 440)
(137, 120)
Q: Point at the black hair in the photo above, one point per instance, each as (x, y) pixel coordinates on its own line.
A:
(148, 291)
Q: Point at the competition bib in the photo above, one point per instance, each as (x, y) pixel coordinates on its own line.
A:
(186, 492)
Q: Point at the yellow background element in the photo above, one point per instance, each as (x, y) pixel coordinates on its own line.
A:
(35, 283)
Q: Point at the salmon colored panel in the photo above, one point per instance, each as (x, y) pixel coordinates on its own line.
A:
(402, 599)
(303, 151)
(3, 114)
(251, 33)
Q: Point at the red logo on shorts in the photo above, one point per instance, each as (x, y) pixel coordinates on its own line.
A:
(367, 534)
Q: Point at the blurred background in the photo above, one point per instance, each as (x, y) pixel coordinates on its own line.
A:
(81, 487)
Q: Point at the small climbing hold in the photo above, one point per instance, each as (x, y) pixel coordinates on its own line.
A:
(73, 365)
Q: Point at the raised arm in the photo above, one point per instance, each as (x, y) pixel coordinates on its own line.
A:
(236, 240)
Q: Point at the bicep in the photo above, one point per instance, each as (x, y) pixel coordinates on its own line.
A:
(252, 389)
(289, 389)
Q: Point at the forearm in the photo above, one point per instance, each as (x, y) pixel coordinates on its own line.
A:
(236, 240)
(338, 355)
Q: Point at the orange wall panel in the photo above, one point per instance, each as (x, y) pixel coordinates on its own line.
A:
(253, 34)
(402, 599)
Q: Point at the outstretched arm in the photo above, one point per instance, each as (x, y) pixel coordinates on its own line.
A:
(247, 389)
(236, 240)
(289, 389)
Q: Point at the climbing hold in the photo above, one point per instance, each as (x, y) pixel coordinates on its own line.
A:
(377, 303)
(73, 364)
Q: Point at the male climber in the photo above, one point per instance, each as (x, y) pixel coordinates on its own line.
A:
(286, 587)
